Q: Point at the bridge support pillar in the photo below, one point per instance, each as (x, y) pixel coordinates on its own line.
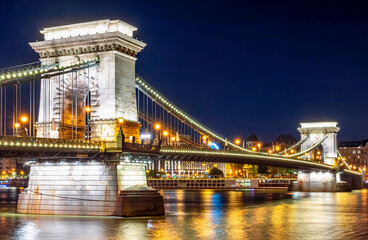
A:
(89, 188)
(319, 182)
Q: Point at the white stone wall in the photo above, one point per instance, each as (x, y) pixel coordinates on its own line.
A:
(125, 94)
(131, 174)
(81, 188)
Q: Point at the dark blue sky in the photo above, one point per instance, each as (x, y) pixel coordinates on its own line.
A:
(239, 67)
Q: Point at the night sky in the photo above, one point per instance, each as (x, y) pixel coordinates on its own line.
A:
(239, 67)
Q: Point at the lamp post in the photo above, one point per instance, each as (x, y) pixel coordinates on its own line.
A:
(157, 128)
(24, 120)
(16, 125)
(166, 133)
(259, 145)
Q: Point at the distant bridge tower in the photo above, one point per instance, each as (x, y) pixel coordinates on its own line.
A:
(108, 88)
(315, 132)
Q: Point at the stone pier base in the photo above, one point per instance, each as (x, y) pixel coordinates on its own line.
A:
(319, 182)
(88, 188)
(140, 201)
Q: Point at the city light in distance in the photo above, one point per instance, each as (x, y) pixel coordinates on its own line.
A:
(237, 141)
(88, 109)
(277, 148)
(165, 133)
(16, 125)
(157, 126)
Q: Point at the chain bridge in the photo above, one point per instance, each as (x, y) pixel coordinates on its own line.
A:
(88, 125)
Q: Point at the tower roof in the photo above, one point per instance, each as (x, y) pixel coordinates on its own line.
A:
(88, 28)
(252, 138)
(354, 143)
(285, 138)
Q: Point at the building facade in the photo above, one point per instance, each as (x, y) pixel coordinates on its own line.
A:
(7, 166)
(355, 154)
(184, 169)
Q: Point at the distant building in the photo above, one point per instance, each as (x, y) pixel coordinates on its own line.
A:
(355, 154)
(251, 141)
(8, 164)
(184, 169)
(285, 139)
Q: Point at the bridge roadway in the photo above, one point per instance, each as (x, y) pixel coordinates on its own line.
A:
(31, 147)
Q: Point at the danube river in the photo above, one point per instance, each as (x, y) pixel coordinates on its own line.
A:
(208, 214)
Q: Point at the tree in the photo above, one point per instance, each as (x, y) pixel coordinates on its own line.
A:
(215, 173)
(152, 174)
(262, 169)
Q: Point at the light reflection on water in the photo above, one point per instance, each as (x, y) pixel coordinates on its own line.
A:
(208, 214)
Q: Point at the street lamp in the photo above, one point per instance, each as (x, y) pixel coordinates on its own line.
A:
(157, 126)
(120, 120)
(259, 145)
(88, 109)
(277, 148)
(165, 133)
(24, 119)
(237, 141)
(16, 125)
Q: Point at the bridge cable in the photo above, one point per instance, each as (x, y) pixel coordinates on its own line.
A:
(309, 149)
(165, 103)
(342, 159)
(295, 145)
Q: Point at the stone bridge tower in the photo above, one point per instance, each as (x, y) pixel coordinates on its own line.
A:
(109, 87)
(83, 185)
(315, 132)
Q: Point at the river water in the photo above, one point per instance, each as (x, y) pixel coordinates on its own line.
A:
(207, 214)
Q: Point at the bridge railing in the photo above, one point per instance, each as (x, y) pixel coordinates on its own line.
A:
(197, 149)
(204, 150)
(20, 68)
(35, 142)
